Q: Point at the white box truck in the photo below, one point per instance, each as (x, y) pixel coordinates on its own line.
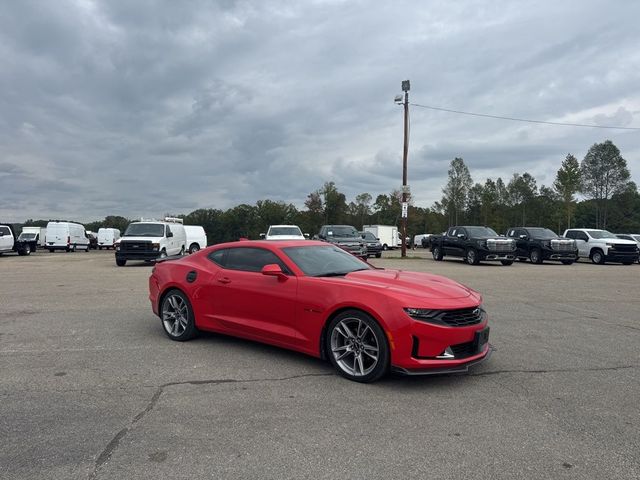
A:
(36, 236)
(196, 238)
(387, 234)
(66, 236)
(107, 237)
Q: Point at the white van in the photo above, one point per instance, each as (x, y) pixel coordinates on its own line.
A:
(107, 237)
(150, 240)
(66, 236)
(196, 238)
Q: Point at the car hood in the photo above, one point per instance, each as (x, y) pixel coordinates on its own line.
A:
(619, 241)
(284, 237)
(410, 284)
(140, 239)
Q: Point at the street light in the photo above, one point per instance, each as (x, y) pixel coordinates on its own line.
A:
(406, 86)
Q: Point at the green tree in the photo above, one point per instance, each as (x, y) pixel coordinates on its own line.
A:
(567, 184)
(604, 173)
(522, 190)
(456, 190)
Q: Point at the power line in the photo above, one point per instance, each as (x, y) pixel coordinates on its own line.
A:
(514, 119)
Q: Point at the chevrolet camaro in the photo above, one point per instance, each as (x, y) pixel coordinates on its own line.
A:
(315, 298)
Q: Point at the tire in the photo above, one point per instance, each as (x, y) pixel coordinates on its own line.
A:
(176, 316)
(100, 248)
(193, 248)
(182, 251)
(385, 247)
(472, 256)
(624, 263)
(506, 263)
(120, 262)
(535, 256)
(597, 257)
(51, 250)
(163, 254)
(357, 347)
(567, 262)
(88, 248)
(25, 251)
(521, 259)
(74, 248)
(379, 254)
(436, 253)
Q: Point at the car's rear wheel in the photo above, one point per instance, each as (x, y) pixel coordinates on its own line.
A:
(385, 247)
(472, 257)
(567, 262)
(177, 316)
(506, 262)
(357, 347)
(379, 254)
(535, 256)
(436, 252)
(194, 248)
(121, 262)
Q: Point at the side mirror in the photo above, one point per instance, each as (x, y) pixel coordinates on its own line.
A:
(321, 237)
(306, 235)
(363, 236)
(170, 234)
(262, 235)
(461, 235)
(523, 237)
(273, 270)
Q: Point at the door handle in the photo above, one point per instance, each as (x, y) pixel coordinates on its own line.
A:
(224, 280)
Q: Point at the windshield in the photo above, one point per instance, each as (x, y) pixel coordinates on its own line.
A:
(342, 231)
(324, 261)
(481, 232)
(27, 236)
(285, 231)
(145, 230)
(636, 238)
(369, 237)
(542, 233)
(600, 234)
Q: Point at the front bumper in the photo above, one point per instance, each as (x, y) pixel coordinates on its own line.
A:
(548, 254)
(621, 257)
(142, 255)
(461, 368)
(420, 348)
(486, 255)
(374, 250)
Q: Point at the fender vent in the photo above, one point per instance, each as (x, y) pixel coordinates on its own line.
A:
(191, 276)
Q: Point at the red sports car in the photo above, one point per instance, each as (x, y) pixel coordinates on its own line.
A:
(316, 298)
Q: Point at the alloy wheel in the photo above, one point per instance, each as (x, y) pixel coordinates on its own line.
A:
(355, 347)
(175, 315)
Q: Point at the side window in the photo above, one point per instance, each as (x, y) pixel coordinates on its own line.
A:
(461, 231)
(217, 257)
(452, 232)
(168, 230)
(250, 259)
(571, 234)
(582, 236)
(4, 230)
(512, 233)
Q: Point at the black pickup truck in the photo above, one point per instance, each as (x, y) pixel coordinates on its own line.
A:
(9, 241)
(539, 244)
(345, 237)
(473, 244)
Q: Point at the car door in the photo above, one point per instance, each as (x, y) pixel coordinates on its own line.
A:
(522, 244)
(249, 304)
(6, 239)
(450, 242)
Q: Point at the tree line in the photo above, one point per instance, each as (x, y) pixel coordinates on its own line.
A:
(610, 201)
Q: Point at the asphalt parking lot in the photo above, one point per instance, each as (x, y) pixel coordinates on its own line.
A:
(91, 388)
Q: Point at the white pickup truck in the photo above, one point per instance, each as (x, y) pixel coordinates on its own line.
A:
(602, 246)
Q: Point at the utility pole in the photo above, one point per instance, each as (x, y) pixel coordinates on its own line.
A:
(405, 151)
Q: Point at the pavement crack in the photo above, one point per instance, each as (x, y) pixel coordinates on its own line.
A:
(114, 443)
(558, 370)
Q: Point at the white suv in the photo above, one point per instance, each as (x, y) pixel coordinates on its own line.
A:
(283, 232)
(602, 246)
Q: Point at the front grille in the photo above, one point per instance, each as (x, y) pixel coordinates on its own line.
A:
(625, 248)
(501, 246)
(452, 318)
(464, 350)
(462, 317)
(563, 245)
(131, 246)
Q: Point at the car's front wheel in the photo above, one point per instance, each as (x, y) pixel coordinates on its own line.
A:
(357, 347)
(177, 316)
(472, 257)
(436, 252)
(597, 257)
(26, 250)
(536, 256)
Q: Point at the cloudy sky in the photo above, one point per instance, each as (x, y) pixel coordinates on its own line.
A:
(141, 107)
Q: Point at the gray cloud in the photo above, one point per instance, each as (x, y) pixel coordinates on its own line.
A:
(147, 107)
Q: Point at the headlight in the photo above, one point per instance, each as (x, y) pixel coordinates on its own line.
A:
(423, 314)
(610, 244)
(546, 243)
(155, 246)
(482, 243)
